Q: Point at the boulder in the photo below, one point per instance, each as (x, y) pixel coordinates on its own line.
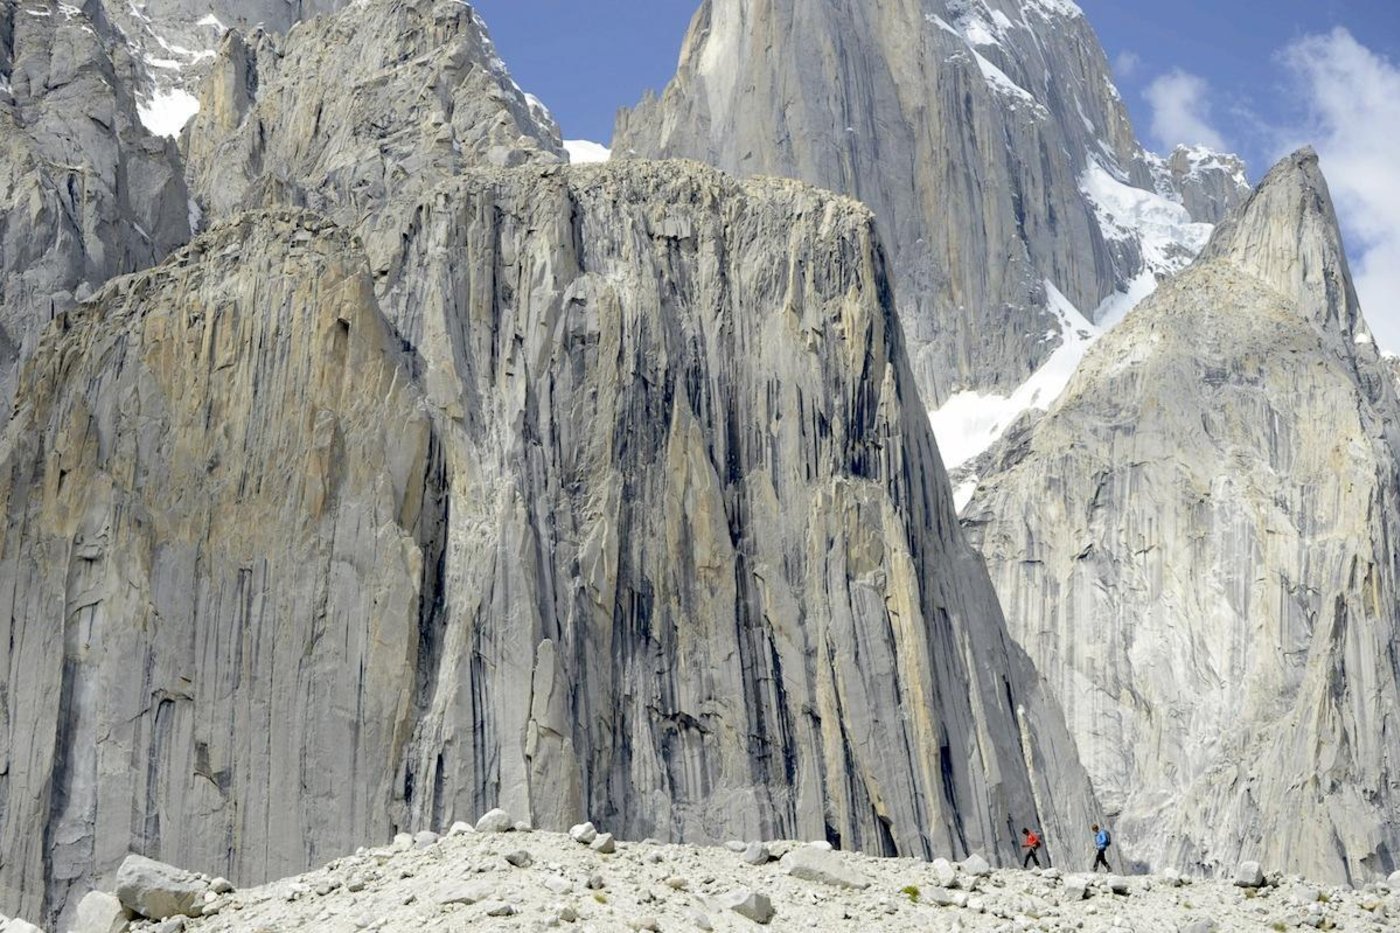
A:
(425, 839)
(944, 872)
(461, 828)
(604, 844)
(748, 904)
(156, 891)
(221, 886)
(100, 912)
(558, 885)
(756, 853)
(583, 833)
(495, 821)
(1249, 875)
(1118, 885)
(520, 858)
(976, 866)
(812, 864)
(1076, 888)
(18, 926)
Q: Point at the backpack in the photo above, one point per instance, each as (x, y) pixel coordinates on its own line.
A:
(1105, 840)
(1033, 840)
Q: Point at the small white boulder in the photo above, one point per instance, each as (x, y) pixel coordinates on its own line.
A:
(748, 904)
(100, 912)
(495, 821)
(1249, 875)
(976, 866)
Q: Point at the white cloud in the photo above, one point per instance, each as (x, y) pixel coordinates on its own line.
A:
(1352, 99)
(1181, 111)
(1126, 64)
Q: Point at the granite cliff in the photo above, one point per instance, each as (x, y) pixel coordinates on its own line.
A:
(1197, 548)
(418, 485)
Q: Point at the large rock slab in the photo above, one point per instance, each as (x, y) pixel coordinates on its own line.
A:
(157, 891)
(824, 866)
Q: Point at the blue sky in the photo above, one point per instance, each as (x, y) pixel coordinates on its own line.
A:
(1256, 77)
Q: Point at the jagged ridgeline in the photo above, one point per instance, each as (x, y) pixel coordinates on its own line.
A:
(986, 135)
(1197, 546)
(419, 484)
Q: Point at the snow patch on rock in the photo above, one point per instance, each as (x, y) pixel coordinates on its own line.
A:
(1163, 228)
(167, 111)
(583, 151)
(970, 422)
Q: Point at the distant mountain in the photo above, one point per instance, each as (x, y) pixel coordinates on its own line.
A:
(1019, 208)
(1196, 546)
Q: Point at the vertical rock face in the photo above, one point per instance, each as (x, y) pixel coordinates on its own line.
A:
(702, 555)
(85, 192)
(670, 549)
(1197, 548)
(213, 502)
(967, 125)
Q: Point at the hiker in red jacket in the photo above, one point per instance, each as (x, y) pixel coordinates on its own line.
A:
(1031, 845)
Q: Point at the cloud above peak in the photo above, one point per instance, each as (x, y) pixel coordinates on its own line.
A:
(1351, 111)
(1181, 111)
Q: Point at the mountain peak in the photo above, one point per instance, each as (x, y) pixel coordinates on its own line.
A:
(1287, 234)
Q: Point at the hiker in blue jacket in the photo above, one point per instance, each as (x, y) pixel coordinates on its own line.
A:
(1102, 840)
